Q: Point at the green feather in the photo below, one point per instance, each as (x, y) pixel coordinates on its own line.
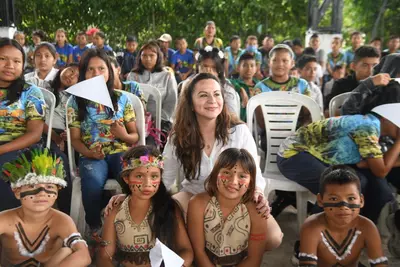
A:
(43, 162)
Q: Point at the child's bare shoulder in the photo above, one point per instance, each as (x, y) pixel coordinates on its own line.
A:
(314, 223)
(60, 218)
(8, 217)
(199, 200)
(364, 224)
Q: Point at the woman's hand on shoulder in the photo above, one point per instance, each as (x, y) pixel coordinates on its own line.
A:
(262, 203)
(114, 203)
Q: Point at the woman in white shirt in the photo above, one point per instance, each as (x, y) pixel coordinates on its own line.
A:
(45, 57)
(203, 128)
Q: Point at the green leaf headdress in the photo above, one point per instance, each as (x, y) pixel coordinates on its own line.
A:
(37, 166)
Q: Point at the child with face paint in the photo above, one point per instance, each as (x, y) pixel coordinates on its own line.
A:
(131, 228)
(223, 224)
(32, 234)
(336, 236)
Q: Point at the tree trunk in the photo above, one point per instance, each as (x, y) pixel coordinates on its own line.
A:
(378, 19)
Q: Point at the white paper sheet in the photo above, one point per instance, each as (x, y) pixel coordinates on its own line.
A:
(161, 252)
(94, 89)
(390, 112)
(397, 80)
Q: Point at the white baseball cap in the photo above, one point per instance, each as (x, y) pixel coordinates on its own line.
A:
(165, 37)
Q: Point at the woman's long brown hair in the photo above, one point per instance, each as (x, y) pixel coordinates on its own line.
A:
(186, 135)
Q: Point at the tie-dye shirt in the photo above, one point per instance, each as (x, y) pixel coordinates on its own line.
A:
(338, 140)
(95, 128)
(294, 84)
(13, 117)
(339, 60)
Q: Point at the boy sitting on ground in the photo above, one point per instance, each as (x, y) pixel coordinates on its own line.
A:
(336, 236)
(35, 234)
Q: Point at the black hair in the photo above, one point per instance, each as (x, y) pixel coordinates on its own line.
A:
(162, 219)
(17, 86)
(91, 53)
(41, 34)
(131, 38)
(234, 38)
(315, 35)
(246, 56)
(355, 33)
(297, 42)
(151, 45)
(376, 39)
(288, 43)
(392, 37)
(101, 34)
(49, 46)
(337, 67)
(219, 62)
(56, 83)
(304, 60)
(114, 62)
(365, 51)
(309, 51)
(338, 175)
(81, 33)
(384, 95)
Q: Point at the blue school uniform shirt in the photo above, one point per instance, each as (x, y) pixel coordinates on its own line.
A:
(78, 52)
(349, 54)
(182, 62)
(63, 54)
(232, 59)
(170, 53)
(127, 61)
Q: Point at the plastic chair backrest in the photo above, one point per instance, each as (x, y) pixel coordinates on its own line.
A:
(50, 100)
(281, 111)
(139, 112)
(238, 104)
(71, 151)
(149, 90)
(336, 103)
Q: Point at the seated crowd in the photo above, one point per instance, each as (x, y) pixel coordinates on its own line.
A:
(217, 213)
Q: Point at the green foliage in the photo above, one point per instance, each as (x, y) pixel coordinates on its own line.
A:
(149, 19)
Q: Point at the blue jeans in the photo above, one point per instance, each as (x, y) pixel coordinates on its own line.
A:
(94, 174)
(306, 170)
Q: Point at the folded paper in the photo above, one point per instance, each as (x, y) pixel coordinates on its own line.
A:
(94, 89)
(160, 253)
(389, 112)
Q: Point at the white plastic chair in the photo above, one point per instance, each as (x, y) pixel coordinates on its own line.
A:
(50, 100)
(149, 90)
(77, 211)
(281, 111)
(238, 104)
(336, 103)
(139, 112)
